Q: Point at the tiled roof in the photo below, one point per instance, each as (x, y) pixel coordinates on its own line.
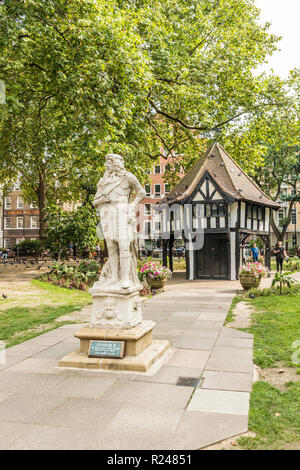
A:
(228, 175)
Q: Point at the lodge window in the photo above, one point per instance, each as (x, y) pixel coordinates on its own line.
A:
(214, 210)
(260, 213)
(221, 209)
(207, 210)
(249, 212)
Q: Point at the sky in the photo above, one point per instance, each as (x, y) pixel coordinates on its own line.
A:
(285, 18)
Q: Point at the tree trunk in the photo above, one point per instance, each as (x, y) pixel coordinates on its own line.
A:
(41, 195)
(281, 234)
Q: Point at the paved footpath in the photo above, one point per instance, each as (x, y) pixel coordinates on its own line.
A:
(199, 396)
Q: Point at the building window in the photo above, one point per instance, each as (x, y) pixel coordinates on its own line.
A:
(147, 209)
(7, 203)
(33, 205)
(214, 209)
(157, 226)
(221, 209)
(148, 190)
(19, 203)
(260, 213)
(147, 229)
(7, 222)
(294, 217)
(167, 188)
(19, 240)
(33, 222)
(280, 214)
(157, 189)
(294, 239)
(249, 212)
(7, 243)
(148, 171)
(207, 210)
(254, 212)
(167, 167)
(157, 169)
(20, 222)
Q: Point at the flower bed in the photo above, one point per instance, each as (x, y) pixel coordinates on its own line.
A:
(80, 277)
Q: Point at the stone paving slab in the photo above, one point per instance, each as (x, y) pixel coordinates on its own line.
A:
(28, 408)
(220, 401)
(235, 342)
(169, 375)
(193, 342)
(149, 394)
(189, 358)
(230, 364)
(45, 407)
(216, 380)
(13, 382)
(199, 429)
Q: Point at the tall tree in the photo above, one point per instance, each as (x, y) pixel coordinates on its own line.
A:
(131, 76)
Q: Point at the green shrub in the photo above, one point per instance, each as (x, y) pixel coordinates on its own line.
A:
(33, 247)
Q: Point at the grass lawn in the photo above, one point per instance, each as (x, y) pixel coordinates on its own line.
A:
(274, 414)
(19, 322)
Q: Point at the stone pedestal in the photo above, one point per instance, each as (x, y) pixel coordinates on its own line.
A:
(116, 308)
(140, 350)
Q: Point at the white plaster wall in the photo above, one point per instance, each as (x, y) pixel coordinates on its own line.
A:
(243, 213)
(232, 255)
(233, 211)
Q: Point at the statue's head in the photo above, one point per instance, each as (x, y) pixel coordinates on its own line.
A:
(114, 163)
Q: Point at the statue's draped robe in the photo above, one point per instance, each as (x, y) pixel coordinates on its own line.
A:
(118, 223)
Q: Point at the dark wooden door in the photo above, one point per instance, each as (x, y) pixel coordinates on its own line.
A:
(212, 260)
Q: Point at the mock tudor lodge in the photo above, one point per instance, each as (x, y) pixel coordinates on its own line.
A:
(214, 209)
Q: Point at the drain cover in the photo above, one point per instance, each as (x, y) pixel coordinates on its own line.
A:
(188, 381)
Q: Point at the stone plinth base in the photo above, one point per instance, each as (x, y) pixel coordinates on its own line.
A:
(140, 351)
(140, 363)
(136, 339)
(116, 308)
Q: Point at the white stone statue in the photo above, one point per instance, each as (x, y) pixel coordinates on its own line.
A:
(115, 295)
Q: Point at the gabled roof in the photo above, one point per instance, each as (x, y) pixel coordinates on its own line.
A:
(228, 175)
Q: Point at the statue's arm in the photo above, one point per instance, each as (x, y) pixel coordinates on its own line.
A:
(139, 191)
(100, 198)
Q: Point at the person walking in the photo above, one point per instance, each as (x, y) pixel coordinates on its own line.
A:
(255, 253)
(280, 254)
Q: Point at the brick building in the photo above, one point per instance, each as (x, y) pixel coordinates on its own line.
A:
(20, 220)
(292, 237)
(148, 219)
